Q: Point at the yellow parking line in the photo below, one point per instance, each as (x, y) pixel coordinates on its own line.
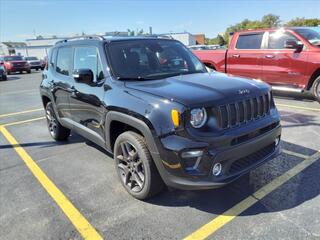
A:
(298, 107)
(217, 223)
(299, 155)
(22, 112)
(21, 122)
(76, 218)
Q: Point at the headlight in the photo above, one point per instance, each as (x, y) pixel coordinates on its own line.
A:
(198, 117)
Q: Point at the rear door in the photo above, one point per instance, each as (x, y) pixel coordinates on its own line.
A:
(244, 58)
(281, 65)
(61, 79)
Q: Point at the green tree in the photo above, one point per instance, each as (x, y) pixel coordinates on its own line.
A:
(270, 20)
(303, 22)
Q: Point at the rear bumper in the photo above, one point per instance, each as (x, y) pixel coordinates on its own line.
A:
(235, 160)
(36, 66)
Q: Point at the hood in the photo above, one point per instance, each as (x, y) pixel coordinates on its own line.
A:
(201, 89)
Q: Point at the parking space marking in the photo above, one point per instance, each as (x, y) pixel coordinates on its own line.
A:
(77, 219)
(18, 113)
(298, 107)
(21, 122)
(299, 155)
(218, 222)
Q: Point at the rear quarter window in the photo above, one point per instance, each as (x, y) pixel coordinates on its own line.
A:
(249, 41)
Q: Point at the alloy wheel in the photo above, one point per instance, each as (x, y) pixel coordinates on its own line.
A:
(52, 122)
(130, 167)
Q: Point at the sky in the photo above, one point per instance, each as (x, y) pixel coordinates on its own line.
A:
(23, 19)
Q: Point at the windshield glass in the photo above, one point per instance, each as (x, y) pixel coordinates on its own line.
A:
(311, 35)
(30, 58)
(151, 59)
(13, 58)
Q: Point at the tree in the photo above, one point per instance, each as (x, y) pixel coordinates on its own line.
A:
(303, 22)
(270, 20)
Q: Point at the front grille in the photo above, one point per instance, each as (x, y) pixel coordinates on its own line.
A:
(239, 112)
(34, 63)
(17, 64)
(251, 159)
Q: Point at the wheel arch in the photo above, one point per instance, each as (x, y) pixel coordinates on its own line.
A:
(313, 77)
(117, 123)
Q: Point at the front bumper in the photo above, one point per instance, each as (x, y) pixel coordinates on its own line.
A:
(236, 160)
(18, 69)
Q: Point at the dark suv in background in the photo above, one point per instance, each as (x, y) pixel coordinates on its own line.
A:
(153, 105)
(15, 64)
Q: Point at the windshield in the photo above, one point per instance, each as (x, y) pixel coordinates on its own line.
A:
(311, 35)
(30, 58)
(12, 58)
(151, 59)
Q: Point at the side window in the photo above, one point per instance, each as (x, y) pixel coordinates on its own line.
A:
(53, 56)
(277, 39)
(249, 41)
(87, 57)
(64, 60)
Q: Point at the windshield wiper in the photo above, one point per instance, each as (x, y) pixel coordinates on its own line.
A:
(138, 78)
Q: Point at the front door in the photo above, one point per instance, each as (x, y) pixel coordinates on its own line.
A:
(283, 66)
(86, 101)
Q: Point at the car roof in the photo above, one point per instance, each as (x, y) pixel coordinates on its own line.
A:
(271, 29)
(96, 41)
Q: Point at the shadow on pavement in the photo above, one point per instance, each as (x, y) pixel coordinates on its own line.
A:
(298, 119)
(296, 191)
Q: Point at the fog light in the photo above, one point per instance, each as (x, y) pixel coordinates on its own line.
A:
(217, 169)
(277, 141)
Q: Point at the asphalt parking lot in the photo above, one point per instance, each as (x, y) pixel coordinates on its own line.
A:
(70, 190)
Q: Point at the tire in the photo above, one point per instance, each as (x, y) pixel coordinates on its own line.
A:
(135, 167)
(56, 130)
(316, 89)
(4, 77)
(42, 68)
(29, 71)
(37, 69)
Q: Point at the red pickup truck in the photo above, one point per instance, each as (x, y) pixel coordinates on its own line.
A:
(286, 58)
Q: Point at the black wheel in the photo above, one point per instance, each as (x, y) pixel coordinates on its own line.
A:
(42, 68)
(56, 130)
(29, 71)
(135, 167)
(37, 69)
(316, 89)
(20, 72)
(4, 77)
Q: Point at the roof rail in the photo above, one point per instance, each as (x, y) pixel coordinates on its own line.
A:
(160, 36)
(84, 37)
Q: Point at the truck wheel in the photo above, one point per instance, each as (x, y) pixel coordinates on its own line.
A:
(316, 89)
(135, 167)
(56, 130)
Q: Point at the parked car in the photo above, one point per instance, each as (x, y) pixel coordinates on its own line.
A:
(286, 58)
(35, 63)
(15, 64)
(3, 73)
(153, 105)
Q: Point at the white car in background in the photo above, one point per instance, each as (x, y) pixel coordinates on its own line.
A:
(35, 63)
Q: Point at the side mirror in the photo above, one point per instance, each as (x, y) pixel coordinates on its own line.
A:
(83, 75)
(293, 44)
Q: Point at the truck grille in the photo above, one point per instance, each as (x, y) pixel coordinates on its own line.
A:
(234, 114)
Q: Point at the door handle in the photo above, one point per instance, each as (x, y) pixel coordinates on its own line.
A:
(270, 56)
(236, 55)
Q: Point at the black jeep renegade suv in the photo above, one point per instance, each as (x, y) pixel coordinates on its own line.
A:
(165, 118)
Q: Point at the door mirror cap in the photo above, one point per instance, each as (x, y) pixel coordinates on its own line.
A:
(83, 75)
(293, 44)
